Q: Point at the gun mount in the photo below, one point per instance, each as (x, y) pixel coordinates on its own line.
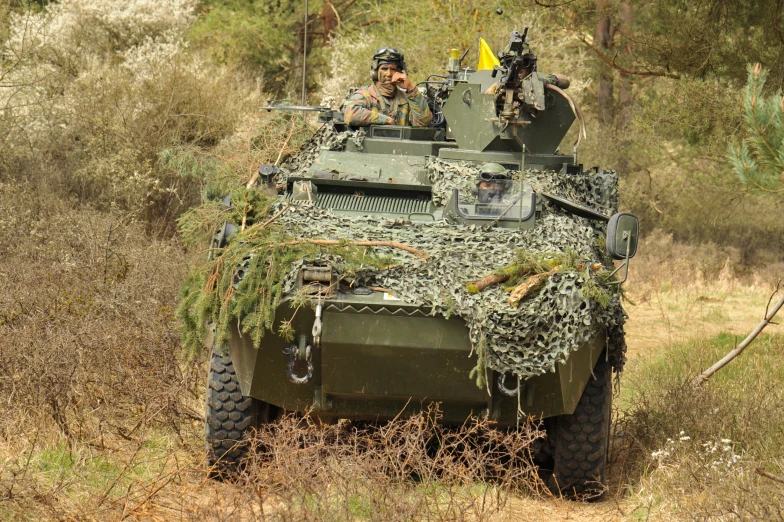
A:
(512, 108)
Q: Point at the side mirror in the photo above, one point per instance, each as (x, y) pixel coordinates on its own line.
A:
(623, 229)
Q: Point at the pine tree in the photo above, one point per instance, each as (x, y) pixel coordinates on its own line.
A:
(758, 160)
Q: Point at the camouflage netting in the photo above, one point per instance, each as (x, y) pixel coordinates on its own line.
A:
(526, 340)
(326, 138)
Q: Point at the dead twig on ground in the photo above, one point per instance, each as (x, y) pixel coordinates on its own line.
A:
(769, 314)
(768, 474)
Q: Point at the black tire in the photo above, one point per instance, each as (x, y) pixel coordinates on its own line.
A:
(230, 416)
(581, 440)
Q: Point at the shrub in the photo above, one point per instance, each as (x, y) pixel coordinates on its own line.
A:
(692, 452)
(90, 364)
(407, 469)
(97, 92)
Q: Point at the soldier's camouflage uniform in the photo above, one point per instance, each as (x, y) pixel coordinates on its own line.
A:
(368, 107)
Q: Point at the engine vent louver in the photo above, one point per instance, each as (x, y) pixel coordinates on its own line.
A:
(373, 204)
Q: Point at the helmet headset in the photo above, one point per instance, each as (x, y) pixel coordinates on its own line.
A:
(386, 55)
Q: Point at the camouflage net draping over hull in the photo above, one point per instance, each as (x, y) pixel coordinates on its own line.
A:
(526, 340)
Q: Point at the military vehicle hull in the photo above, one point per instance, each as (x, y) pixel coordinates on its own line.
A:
(380, 358)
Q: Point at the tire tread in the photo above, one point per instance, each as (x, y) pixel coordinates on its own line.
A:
(229, 415)
(582, 439)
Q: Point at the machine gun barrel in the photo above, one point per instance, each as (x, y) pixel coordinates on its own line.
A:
(305, 108)
(325, 113)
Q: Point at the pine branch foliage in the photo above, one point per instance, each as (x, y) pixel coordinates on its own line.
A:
(215, 294)
(758, 160)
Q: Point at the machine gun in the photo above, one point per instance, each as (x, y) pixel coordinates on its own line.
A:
(520, 93)
(520, 89)
(517, 61)
(325, 113)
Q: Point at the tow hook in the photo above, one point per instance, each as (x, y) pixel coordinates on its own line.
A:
(303, 352)
(299, 352)
(509, 392)
(317, 327)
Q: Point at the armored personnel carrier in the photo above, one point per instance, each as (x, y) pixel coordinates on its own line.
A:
(470, 263)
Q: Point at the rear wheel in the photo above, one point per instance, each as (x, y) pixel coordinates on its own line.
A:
(230, 416)
(581, 440)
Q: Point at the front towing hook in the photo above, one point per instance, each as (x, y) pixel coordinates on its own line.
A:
(301, 351)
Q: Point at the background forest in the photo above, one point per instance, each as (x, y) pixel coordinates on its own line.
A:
(118, 117)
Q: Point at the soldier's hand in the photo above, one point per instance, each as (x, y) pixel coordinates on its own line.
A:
(401, 80)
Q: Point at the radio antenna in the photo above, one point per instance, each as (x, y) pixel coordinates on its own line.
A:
(305, 57)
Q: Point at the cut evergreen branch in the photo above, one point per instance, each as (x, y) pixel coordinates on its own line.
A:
(758, 160)
(524, 266)
(216, 294)
(529, 271)
(477, 286)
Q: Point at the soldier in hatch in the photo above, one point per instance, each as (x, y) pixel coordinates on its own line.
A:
(392, 99)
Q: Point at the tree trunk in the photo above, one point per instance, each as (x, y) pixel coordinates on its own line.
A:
(329, 18)
(625, 89)
(603, 40)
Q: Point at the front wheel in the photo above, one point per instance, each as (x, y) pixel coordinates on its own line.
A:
(230, 416)
(582, 440)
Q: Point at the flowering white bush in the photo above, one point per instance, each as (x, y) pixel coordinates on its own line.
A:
(92, 90)
(99, 25)
(349, 66)
(716, 455)
(44, 49)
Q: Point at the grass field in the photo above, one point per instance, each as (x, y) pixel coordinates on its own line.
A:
(103, 417)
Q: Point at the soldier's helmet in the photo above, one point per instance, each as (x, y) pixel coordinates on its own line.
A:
(386, 55)
(493, 183)
(492, 170)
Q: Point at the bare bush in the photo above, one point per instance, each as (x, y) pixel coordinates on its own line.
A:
(406, 469)
(90, 365)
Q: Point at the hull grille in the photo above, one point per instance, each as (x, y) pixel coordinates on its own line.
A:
(373, 204)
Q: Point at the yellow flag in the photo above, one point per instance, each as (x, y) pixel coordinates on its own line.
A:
(486, 57)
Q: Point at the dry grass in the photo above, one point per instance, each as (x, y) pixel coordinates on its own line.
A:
(684, 292)
(682, 452)
(669, 462)
(664, 264)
